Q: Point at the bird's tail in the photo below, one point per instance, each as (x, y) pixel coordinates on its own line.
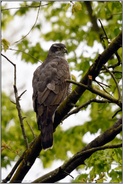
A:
(46, 133)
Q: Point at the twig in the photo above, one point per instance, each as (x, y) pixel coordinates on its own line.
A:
(100, 84)
(21, 51)
(8, 59)
(20, 115)
(21, 94)
(112, 75)
(116, 113)
(13, 102)
(4, 9)
(104, 31)
(98, 92)
(68, 174)
(31, 130)
(32, 26)
(116, 53)
(17, 98)
(119, 62)
(84, 105)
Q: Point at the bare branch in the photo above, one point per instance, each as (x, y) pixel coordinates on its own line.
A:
(119, 62)
(118, 57)
(21, 51)
(98, 92)
(119, 110)
(7, 59)
(101, 85)
(21, 94)
(104, 31)
(85, 105)
(32, 26)
(4, 9)
(17, 98)
(112, 75)
(31, 130)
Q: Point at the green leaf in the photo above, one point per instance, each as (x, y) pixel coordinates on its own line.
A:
(77, 6)
(5, 44)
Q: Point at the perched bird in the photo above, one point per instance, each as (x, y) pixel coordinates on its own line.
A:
(49, 90)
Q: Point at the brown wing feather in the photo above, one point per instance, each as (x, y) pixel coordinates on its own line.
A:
(58, 73)
(49, 90)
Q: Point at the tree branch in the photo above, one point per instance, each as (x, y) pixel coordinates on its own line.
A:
(17, 98)
(85, 105)
(112, 75)
(108, 41)
(21, 51)
(5, 9)
(32, 26)
(28, 160)
(101, 85)
(98, 92)
(93, 18)
(80, 157)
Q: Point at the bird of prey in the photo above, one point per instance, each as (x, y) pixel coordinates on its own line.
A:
(49, 90)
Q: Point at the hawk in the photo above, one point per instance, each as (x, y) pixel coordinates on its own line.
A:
(49, 90)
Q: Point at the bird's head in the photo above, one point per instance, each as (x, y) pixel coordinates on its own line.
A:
(58, 49)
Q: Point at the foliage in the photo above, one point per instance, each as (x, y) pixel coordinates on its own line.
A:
(77, 25)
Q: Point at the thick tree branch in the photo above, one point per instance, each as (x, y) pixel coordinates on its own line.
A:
(79, 158)
(29, 158)
(34, 149)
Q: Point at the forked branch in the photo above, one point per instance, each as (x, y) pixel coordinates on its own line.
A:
(17, 99)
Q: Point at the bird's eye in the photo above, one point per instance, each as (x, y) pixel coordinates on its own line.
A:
(54, 48)
(57, 48)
